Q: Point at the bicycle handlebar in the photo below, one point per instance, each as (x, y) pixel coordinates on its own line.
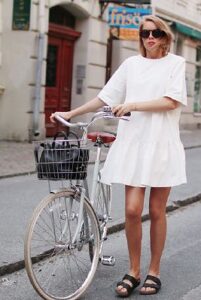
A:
(106, 113)
(66, 123)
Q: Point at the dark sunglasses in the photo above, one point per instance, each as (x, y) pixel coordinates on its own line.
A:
(156, 33)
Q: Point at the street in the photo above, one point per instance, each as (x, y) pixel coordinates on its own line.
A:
(180, 271)
(181, 263)
(21, 194)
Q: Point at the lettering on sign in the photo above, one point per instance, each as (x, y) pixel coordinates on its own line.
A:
(126, 17)
(124, 22)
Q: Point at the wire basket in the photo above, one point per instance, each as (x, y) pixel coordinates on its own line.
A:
(61, 159)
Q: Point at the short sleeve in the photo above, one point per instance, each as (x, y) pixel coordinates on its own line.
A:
(114, 92)
(176, 86)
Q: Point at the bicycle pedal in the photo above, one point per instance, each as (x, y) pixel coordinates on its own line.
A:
(108, 260)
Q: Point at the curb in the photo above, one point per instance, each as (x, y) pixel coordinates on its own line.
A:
(17, 174)
(192, 147)
(172, 207)
(90, 163)
(34, 171)
(17, 266)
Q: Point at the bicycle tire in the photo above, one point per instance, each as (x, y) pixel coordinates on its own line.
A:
(53, 262)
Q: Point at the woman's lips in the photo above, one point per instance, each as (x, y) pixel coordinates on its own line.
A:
(151, 43)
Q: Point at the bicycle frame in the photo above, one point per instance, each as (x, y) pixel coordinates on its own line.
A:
(107, 114)
(68, 228)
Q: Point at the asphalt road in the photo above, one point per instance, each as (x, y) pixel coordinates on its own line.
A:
(20, 195)
(180, 271)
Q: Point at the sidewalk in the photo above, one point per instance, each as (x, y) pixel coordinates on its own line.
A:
(17, 159)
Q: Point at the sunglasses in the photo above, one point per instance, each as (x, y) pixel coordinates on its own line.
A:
(156, 33)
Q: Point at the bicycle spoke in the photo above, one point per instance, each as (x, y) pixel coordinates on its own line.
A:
(57, 265)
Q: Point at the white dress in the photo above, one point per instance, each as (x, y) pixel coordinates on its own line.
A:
(148, 150)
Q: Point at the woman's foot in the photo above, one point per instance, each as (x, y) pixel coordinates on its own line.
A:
(127, 285)
(151, 285)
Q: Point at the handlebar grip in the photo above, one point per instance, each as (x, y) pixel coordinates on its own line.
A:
(108, 109)
(62, 120)
(128, 114)
(68, 124)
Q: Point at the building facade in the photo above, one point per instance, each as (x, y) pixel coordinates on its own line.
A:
(184, 17)
(57, 58)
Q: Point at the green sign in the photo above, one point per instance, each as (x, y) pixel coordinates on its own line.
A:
(21, 14)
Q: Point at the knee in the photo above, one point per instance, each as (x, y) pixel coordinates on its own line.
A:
(133, 213)
(156, 214)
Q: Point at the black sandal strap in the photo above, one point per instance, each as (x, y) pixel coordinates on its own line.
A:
(119, 283)
(152, 285)
(128, 288)
(132, 279)
(154, 279)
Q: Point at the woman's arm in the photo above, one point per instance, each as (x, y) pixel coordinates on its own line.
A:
(90, 106)
(163, 104)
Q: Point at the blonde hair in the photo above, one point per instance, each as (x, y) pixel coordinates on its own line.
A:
(160, 24)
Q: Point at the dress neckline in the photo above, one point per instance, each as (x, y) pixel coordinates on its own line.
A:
(154, 59)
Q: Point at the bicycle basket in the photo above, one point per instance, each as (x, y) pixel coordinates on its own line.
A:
(57, 160)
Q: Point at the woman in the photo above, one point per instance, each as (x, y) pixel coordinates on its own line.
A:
(151, 86)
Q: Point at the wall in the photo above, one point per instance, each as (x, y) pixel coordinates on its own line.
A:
(19, 53)
(15, 75)
(187, 13)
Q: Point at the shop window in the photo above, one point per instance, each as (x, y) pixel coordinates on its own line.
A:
(197, 87)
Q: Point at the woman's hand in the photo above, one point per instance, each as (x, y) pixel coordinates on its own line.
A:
(66, 115)
(122, 109)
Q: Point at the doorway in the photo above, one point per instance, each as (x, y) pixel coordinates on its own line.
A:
(61, 39)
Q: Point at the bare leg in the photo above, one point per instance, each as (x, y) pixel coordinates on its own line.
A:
(157, 211)
(133, 210)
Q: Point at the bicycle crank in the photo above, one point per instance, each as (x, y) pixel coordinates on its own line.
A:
(107, 260)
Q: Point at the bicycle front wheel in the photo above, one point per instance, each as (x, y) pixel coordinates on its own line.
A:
(57, 245)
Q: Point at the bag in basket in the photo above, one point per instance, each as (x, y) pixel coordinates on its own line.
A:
(61, 159)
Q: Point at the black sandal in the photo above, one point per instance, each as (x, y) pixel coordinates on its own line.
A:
(129, 288)
(156, 285)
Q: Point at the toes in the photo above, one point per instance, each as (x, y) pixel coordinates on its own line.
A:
(147, 290)
(121, 291)
(119, 288)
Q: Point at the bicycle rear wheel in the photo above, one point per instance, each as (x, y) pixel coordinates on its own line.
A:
(58, 265)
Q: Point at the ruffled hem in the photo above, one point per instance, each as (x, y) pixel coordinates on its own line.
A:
(155, 164)
(137, 184)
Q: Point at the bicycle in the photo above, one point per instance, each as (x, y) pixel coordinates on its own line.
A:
(65, 236)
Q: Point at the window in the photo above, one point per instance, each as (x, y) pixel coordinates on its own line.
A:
(179, 46)
(51, 71)
(197, 87)
(61, 16)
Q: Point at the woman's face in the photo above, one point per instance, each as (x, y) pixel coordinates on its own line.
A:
(152, 44)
